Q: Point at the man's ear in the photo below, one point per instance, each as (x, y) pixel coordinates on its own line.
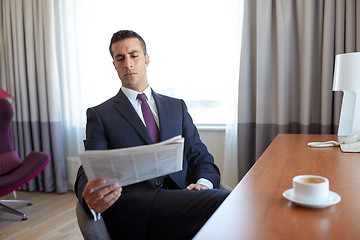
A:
(147, 59)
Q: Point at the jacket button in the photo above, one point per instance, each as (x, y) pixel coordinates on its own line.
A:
(158, 184)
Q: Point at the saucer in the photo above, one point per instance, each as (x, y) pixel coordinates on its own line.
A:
(333, 198)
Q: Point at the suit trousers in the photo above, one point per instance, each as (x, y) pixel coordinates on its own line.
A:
(179, 214)
(173, 213)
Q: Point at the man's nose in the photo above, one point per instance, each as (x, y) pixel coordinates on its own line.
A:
(128, 63)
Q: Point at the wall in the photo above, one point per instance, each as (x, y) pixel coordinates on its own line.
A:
(214, 139)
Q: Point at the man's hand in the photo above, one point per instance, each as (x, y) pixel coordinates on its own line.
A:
(196, 187)
(101, 199)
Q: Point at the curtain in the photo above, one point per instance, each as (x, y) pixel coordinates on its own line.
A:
(286, 69)
(35, 68)
(230, 175)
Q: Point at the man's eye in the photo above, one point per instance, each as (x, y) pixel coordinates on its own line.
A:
(134, 56)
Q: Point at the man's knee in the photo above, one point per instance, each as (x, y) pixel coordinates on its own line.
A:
(219, 196)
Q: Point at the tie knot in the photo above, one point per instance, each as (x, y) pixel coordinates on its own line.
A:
(141, 97)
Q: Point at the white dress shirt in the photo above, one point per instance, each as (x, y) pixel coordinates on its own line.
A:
(132, 96)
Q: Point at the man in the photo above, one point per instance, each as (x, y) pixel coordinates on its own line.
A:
(167, 207)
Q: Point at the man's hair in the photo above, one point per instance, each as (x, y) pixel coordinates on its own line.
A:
(124, 34)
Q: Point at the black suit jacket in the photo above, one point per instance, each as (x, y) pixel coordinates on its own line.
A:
(115, 124)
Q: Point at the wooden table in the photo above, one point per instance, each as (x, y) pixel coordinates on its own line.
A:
(256, 208)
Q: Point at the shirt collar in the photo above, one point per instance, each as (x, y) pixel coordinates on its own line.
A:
(132, 94)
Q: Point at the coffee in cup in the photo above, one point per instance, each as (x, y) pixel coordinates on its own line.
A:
(312, 180)
(311, 188)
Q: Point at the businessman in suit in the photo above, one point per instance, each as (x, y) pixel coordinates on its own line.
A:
(168, 207)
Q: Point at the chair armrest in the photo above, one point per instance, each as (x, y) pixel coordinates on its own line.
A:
(225, 188)
(90, 229)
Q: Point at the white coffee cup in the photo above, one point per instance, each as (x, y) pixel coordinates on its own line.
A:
(311, 188)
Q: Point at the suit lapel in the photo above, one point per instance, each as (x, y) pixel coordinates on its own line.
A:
(162, 106)
(165, 133)
(124, 107)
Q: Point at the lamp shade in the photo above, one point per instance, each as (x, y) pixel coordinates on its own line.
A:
(347, 79)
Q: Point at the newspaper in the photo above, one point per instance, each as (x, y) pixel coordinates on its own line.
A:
(126, 166)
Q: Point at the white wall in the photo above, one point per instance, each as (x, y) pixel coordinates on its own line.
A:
(214, 139)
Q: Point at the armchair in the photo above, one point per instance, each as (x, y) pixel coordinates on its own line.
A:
(13, 171)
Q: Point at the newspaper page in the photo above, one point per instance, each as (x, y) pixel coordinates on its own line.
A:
(126, 166)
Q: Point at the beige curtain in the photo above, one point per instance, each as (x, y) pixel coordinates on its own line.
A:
(32, 70)
(286, 69)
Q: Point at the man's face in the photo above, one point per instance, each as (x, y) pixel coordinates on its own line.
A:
(130, 63)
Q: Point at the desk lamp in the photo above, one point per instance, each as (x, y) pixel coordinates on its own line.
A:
(347, 79)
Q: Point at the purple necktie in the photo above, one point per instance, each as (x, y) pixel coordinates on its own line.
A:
(149, 119)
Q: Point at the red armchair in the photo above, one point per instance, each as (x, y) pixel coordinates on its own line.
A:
(15, 172)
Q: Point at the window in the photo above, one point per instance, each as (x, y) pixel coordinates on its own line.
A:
(194, 50)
